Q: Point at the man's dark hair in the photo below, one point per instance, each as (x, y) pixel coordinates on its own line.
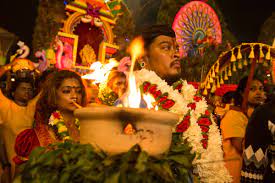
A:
(242, 84)
(227, 97)
(16, 83)
(150, 33)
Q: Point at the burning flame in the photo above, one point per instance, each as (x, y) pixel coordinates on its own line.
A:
(133, 97)
(100, 71)
(150, 101)
(136, 50)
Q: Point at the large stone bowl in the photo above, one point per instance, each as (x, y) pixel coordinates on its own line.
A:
(102, 127)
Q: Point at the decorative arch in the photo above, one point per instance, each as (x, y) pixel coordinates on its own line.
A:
(237, 58)
(95, 42)
(75, 18)
(196, 26)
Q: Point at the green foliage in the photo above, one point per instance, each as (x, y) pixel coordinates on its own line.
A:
(267, 33)
(71, 162)
(51, 14)
(123, 31)
(108, 98)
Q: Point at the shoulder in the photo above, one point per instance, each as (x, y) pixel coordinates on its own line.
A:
(4, 102)
(3, 97)
(236, 114)
(233, 124)
(234, 118)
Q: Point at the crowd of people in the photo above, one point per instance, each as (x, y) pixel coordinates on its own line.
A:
(32, 116)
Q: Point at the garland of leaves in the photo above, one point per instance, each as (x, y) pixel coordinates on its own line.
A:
(72, 162)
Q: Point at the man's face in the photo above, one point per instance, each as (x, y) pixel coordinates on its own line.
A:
(162, 57)
(256, 93)
(23, 93)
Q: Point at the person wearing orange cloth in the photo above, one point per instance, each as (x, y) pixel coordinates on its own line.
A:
(233, 125)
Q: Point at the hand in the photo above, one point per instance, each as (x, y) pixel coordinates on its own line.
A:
(125, 64)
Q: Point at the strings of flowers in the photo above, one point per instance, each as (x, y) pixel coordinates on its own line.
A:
(196, 123)
(106, 95)
(56, 121)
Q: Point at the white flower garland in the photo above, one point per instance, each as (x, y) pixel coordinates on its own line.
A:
(209, 164)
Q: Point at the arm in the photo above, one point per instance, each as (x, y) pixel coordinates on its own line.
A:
(237, 144)
(233, 128)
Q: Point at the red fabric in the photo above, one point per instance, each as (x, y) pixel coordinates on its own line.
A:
(225, 88)
(28, 139)
(220, 91)
(111, 50)
(25, 142)
(41, 129)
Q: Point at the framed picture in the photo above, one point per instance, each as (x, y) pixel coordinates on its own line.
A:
(69, 43)
(106, 50)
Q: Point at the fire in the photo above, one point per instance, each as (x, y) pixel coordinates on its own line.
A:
(150, 101)
(133, 97)
(100, 71)
(136, 50)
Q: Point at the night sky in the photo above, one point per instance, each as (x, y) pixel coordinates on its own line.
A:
(244, 17)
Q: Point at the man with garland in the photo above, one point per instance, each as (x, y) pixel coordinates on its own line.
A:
(160, 76)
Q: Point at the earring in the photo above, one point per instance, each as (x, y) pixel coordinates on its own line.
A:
(142, 64)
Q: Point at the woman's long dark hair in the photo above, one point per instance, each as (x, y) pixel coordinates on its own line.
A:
(238, 96)
(47, 102)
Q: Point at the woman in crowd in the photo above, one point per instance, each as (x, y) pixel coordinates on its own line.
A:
(234, 123)
(117, 82)
(54, 119)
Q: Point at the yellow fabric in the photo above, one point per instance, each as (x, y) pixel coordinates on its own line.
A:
(233, 125)
(14, 119)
